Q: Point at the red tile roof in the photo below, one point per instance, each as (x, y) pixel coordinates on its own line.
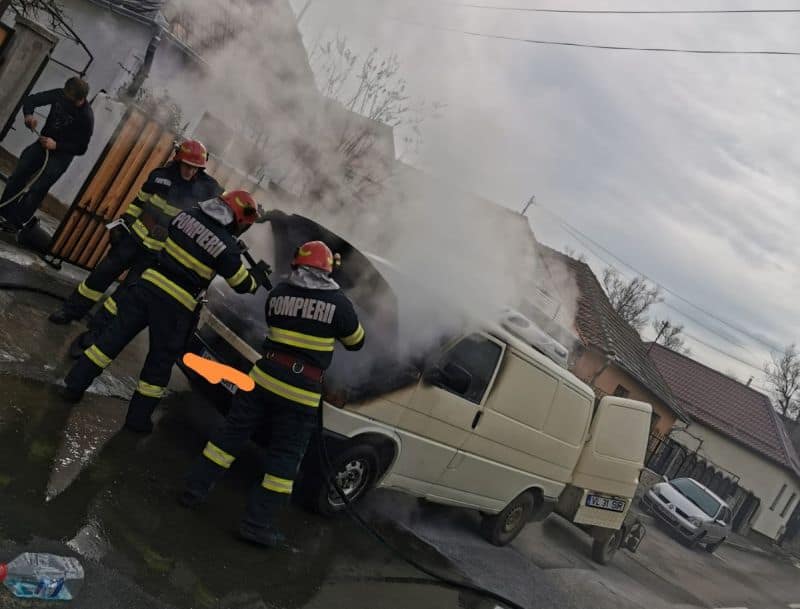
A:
(727, 406)
(599, 326)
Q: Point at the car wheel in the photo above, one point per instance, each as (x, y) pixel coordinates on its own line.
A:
(711, 547)
(697, 540)
(604, 549)
(500, 529)
(355, 471)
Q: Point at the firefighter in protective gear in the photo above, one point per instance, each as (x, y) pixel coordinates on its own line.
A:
(305, 315)
(201, 244)
(136, 242)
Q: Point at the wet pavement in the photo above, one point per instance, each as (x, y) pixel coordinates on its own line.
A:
(71, 482)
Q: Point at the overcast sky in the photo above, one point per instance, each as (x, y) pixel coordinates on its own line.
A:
(684, 166)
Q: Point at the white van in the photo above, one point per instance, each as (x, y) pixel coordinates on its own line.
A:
(493, 425)
(487, 422)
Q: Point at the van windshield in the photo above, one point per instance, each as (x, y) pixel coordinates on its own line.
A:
(696, 495)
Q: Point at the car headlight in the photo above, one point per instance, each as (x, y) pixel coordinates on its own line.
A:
(695, 521)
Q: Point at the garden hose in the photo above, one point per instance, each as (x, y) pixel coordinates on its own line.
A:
(32, 181)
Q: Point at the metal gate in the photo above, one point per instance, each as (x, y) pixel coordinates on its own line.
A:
(138, 146)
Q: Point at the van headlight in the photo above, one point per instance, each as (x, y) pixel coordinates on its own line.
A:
(695, 521)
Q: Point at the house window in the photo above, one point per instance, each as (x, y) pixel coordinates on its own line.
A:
(621, 392)
(778, 498)
(788, 505)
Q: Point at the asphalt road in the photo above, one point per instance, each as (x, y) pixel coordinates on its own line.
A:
(71, 483)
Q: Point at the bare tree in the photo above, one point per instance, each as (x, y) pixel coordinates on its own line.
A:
(669, 335)
(630, 298)
(53, 10)
(783, 378)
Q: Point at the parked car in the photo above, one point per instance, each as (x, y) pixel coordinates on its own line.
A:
(689, 508)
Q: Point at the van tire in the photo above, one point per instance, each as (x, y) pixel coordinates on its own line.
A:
(605, 546)
(358, 466)
(713, 546)
(500, 529)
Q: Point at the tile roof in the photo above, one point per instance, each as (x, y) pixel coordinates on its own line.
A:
(727, 406)
(599, 326)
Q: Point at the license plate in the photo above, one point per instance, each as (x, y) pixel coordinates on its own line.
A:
(231, 388)
(606, 503)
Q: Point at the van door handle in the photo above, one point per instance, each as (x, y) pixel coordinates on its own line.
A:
(476, 419)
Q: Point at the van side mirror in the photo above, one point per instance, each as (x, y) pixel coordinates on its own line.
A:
(452, 376)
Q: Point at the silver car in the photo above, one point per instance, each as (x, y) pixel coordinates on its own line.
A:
(697, 514)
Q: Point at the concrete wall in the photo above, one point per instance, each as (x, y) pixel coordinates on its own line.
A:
(590, 362)
(761, 476)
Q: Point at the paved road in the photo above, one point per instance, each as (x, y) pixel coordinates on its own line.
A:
(71, 483)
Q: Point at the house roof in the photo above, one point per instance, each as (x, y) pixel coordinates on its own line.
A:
(599, 326)
(727, 406)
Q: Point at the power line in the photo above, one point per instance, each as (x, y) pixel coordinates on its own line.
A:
(723, 352)
(730, 325)
(624, 12)
(586, 45)
(726, 338)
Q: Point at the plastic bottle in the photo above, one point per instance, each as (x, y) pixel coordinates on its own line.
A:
(43, 576)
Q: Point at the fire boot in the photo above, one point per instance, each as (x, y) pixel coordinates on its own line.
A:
(257, 525)
(140, 410)
(200, 482)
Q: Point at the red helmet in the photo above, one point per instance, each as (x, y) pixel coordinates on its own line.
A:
(243, 206)
(192, 153)
(315, 254)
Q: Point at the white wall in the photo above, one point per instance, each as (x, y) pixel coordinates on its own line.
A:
(757, 474)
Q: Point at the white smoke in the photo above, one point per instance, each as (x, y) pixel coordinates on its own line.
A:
(467, 255)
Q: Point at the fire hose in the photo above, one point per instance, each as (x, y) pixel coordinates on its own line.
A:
(330, 479)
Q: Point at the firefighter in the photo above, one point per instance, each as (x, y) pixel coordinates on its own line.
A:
(201, 243)
(65, 135)
(305, 315)
(137, 239)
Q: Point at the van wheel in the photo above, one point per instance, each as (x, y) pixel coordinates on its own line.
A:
(355, 471)
(711, 547)
(605, 547)
(501, 528)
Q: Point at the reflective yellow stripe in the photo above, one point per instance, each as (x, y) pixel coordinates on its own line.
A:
(297, 339)
(171, 288)
(215, 454)
(277, 485)
(295, 394)
(97, 357)
(150, 391)
(187, 260)
(87, 292)
(110, 305)
(134, 210)
(161, 203)
(143, 196)
(354, 338)
(238, 278)
(143, 234)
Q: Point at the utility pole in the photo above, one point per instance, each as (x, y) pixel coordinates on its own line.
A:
(301, 13)
(531, 201)
(664, 328)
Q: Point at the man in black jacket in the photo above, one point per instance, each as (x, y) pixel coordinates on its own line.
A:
(65, 135)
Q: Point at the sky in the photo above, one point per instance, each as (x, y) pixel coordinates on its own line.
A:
(682, 166)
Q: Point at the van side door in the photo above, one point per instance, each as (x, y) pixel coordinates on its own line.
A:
(446, 405)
